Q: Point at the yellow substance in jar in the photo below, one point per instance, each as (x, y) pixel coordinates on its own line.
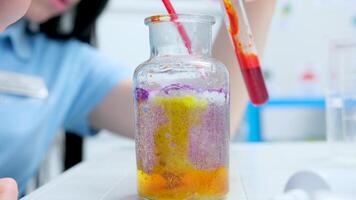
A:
(174, 177)
(172, 139)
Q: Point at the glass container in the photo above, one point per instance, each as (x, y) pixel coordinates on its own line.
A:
(341, 100)
(181, 113)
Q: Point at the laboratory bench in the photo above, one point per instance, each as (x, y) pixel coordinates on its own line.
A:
(258, 171)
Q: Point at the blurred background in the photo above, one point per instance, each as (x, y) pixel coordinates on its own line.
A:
(295, 65)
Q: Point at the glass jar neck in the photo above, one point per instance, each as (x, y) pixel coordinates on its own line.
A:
(166, 40)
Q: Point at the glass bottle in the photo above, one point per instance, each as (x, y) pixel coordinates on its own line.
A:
(181, 113)
(340, 101)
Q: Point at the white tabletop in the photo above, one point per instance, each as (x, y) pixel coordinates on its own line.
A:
(258, 172)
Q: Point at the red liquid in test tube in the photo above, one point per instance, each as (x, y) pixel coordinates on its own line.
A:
(246, 53)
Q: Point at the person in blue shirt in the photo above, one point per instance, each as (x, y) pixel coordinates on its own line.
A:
(10, 12)
(86, 92)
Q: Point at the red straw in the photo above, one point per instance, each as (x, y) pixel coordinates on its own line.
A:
(179, 26)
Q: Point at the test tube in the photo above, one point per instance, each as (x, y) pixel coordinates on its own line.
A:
(245, 50)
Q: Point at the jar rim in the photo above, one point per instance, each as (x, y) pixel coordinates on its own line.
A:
(183, 18)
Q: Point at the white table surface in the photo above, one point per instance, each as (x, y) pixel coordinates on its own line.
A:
(258, 172)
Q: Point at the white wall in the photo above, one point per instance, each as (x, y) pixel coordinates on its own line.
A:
(299, 40)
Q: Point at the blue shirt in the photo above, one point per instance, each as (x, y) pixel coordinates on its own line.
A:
(77, 76)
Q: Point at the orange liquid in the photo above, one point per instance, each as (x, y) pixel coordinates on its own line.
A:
(195, 184)
(174, 176)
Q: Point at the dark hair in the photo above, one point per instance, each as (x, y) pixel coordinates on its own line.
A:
(83, 23)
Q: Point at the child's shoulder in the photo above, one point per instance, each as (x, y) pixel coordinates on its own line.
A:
(63, 46)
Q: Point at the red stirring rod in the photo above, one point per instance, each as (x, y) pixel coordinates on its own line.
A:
(179, 26)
